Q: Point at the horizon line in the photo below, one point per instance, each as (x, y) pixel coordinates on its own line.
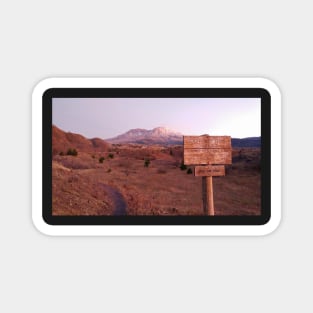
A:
(102, 138)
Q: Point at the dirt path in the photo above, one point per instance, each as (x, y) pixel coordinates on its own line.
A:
(120, 205)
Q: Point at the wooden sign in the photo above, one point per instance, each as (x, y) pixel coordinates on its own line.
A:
(207, 150)
(207, 142)
(210, 170)
(207, 156)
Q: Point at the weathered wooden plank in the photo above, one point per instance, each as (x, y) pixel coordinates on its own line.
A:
(207, 156)
(207, 195)
(210, 170)
(207, 142)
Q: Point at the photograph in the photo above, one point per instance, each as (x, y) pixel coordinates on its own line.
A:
(156, 156)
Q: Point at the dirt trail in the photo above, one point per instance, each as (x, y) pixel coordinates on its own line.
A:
(120, 205)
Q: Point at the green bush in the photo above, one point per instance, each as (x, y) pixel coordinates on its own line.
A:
(147, 163)
(111, 155)
(101, 160)
(189, 171)
(183, 167)
(72, 152)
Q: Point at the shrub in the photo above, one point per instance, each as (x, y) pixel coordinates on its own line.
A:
(183, 167)
(93, 156)
(171, 152)
(61, 153)
(109, 170)
(101, 160)
(72, 152)
(147, 163)
(189, 171)
(111, 155)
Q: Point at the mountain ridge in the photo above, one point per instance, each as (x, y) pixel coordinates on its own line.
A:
(62, 141)
(157, 135)
(166, 136)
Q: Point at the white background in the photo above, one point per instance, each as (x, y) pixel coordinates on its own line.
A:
(162, 38)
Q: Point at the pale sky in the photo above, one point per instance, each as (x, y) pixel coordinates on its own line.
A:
(109, 117)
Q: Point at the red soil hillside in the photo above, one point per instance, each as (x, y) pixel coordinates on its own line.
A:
(62, 141)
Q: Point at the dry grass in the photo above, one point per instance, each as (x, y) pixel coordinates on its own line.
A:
(159, 189)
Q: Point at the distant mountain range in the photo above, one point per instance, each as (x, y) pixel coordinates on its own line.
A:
(165, 136)
(62, 141)
(249, 142)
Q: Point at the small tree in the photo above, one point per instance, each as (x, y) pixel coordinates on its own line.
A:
(72, 152)
(183, 167)
(147, 163)
(101, 160)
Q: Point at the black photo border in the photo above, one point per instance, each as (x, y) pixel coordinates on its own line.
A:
(239, 92)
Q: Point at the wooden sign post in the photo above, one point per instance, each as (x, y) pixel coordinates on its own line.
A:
(211, 151)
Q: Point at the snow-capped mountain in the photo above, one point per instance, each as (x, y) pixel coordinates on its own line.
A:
(158, 135)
